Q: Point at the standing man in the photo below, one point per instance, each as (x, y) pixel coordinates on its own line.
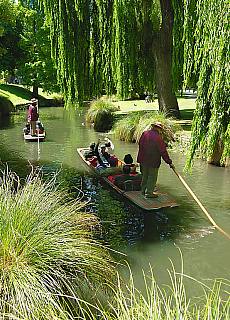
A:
(33, 115)
(151, 148)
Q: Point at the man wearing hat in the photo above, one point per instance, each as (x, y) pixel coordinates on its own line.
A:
(151, 148)
(33, 115)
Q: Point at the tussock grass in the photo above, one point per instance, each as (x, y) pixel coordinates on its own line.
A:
(99, 106)
(49, 261)
(125, 128)
(131, 127)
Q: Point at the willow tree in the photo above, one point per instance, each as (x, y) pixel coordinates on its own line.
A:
(208, 58)
(110, 46)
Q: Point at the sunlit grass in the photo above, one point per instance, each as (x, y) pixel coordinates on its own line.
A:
(99, 106)
(49, 260)
(19, 94)
(169, 302)
(131, 127)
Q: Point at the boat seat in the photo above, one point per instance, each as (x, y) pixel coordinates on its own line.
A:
(128, 182)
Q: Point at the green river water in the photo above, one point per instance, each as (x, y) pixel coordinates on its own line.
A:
(146, 238)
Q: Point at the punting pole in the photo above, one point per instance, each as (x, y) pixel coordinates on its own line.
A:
(38, 137)
(200, 205)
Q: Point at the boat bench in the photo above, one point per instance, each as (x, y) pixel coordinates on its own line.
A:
(127, 182)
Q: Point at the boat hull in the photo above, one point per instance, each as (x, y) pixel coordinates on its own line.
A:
(30, 138)
(162, 201)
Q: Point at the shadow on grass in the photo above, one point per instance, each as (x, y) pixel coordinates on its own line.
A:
(20, 92)
(187, 114)
(16, 90)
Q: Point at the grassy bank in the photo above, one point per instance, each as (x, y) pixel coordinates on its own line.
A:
(186, 105)
(20, 95)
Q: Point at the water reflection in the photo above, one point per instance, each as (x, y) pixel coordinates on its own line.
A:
(144, 237)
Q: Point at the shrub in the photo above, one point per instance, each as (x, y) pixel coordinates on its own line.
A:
(125, 128)
(101, 113)
(131, 127)
(6, 106)
(47, 252)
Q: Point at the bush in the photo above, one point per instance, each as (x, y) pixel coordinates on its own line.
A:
(6, 106)
(47, 252)
(131, 127)
(125, 128)
(101, 113)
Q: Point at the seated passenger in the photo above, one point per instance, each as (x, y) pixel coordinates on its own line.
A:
(26, 130)
(102, 156)
(128, 160)
(126, 169)
(91, 152)
(113, 161)
(40, 127)
(109, 145)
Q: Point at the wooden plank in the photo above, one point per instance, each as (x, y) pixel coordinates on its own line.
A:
(162, 201)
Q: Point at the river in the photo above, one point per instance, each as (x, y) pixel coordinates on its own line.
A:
(149, 238)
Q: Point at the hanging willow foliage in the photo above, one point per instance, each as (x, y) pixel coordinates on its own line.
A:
(178, 44)
(101, 46)
(70, 40)
(211, 62)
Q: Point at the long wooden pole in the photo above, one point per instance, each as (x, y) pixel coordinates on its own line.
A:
(200, 205)
(38, 135)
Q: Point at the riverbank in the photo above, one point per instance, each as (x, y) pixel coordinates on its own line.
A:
(187, 105)
(20, 96)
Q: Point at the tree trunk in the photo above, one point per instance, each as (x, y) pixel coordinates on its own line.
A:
(217, 153)
(162, 50)
(35, 91)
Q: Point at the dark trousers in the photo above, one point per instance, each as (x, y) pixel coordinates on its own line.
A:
(149, 179)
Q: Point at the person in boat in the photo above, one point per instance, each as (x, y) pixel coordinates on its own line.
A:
(33, 115)
(151, 149)
(109, 145)
(91, 152)
(102, 156)
(26, 130)
(40, 127)
(128, 162)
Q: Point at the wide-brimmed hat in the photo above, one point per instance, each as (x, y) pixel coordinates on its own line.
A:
(157, 125)
(33, 100)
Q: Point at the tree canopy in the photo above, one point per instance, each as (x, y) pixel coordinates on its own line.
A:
(109, 46)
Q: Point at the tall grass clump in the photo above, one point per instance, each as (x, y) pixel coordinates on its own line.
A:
(6, 106)
(101, 113)
(49, 261)
(131, 127)
(169, 302)
(125, 128)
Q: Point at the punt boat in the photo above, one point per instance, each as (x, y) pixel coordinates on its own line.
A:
(29, 137)
(129, 188)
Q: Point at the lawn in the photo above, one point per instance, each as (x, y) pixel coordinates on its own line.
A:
(19, 94)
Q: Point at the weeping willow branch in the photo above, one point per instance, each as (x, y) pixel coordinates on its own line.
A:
(211, 63)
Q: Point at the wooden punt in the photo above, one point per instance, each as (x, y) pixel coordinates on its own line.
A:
(30, 138)
(162, 201)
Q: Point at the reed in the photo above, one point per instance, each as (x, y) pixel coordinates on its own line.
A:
(169, 302)
(49, 261)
